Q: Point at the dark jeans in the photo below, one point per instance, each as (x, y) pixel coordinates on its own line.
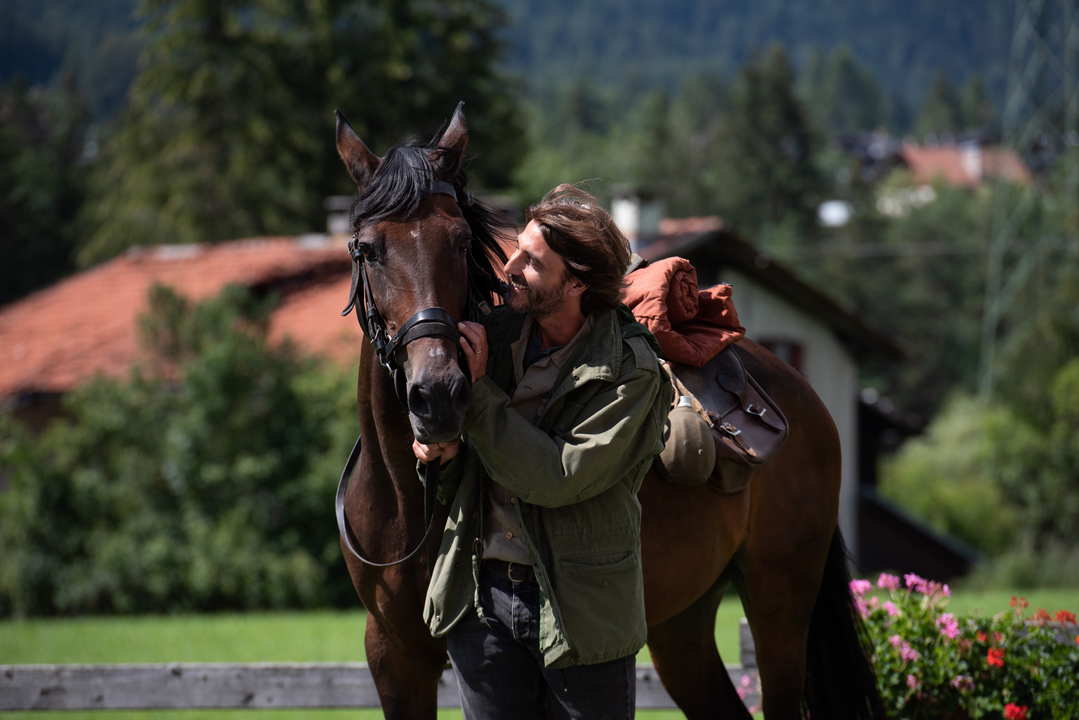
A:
(500, 671)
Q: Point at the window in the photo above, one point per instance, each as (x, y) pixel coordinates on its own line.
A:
(789, 351)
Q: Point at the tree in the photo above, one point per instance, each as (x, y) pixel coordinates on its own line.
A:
(228, 127)
(41, 185)
(941, 114)
(944, 477)
(768, 178)
(845, 95)
(202, 153)
(978, 114)
(199, 483)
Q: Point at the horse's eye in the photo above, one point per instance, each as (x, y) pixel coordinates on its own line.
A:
(365, 252)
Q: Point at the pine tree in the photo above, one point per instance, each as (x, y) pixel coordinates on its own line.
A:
(41, 184)
(228, 132)
(767, 175)
(849, 98)
(977, 109)
(941, 114)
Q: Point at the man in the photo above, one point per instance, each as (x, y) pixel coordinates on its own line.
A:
(538, 586)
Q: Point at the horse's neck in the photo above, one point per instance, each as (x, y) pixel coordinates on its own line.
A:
(385, 428)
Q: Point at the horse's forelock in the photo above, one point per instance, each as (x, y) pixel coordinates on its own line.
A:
(398, 187)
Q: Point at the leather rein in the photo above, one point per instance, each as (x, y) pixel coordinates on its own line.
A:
(428, 322)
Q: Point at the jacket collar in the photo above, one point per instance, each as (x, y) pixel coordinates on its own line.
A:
(600, 354)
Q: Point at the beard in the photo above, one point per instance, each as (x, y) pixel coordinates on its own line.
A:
(534, 301)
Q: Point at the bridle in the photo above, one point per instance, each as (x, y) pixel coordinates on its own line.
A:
(428, 322)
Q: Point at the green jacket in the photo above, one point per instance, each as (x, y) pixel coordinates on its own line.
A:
(576, 474)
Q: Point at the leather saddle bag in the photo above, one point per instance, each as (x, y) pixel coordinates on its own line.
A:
(747, 425)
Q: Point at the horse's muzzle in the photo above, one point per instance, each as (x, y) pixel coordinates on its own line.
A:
(437, 405)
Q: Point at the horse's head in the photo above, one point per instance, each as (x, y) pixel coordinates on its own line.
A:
(421, 246)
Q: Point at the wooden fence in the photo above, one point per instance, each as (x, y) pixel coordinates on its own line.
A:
(190, 686)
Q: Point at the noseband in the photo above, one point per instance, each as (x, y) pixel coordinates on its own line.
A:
(429, 322)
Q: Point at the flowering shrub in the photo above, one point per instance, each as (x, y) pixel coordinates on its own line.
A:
(932, 664)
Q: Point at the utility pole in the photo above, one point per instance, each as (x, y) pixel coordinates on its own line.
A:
(1041, 110)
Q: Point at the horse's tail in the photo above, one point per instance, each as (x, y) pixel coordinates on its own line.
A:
(840, 682)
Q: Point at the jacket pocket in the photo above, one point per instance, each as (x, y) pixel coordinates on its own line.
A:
(602, 601)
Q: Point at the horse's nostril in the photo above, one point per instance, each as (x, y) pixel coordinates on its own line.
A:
(419, 402)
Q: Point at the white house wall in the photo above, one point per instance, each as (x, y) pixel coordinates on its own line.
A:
(826, 363)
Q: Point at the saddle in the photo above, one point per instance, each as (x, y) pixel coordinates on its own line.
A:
(746, 424)
(717, 402)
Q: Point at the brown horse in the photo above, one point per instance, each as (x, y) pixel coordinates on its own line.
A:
(419, 235)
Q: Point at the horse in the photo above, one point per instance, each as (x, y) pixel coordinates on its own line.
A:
(426, 253)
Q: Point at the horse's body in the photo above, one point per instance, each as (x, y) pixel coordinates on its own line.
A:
(776, 541)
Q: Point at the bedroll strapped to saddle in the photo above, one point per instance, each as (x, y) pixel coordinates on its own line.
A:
(722, 421)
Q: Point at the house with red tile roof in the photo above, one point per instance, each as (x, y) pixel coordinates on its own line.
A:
(86, 325)
(963, 165)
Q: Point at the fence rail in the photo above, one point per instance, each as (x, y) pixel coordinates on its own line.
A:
(190, 686)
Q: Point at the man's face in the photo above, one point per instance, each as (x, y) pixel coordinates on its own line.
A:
(537, 274)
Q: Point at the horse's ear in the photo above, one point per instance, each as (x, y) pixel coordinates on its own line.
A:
(360, 162)
(451, 145)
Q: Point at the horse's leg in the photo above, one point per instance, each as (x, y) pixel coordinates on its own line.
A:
(685, 656)
(783, 574)
(405, 661)
(778, 610)
(406, 674)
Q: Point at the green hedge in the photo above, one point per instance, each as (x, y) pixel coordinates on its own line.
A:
(204, 481)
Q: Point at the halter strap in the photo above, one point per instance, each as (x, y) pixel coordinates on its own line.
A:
(441, 187)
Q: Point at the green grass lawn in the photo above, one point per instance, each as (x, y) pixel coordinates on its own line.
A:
(300, 637)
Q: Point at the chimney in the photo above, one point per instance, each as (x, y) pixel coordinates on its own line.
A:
(637, 215)
(337, 214)
(971, 155)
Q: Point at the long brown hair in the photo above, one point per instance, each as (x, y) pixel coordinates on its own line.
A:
(595, 251)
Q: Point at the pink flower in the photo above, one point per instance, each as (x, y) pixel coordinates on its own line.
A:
(860, 587)
(912, 682)
(859, 605)
(948, 625)
(906, 652)
(932, 588)
(745, 681)
(891, 608)
(963, 683)
(914, 582)
(888, 582)
(945, 590)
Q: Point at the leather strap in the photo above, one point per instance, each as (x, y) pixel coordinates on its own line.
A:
(430, 489)
(429, 322)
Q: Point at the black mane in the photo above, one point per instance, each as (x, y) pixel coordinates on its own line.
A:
(397, 189)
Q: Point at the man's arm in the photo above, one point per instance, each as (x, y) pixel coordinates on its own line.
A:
(619, 429)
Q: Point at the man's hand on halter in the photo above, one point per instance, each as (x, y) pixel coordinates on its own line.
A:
(429, 453)
(474, 344)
